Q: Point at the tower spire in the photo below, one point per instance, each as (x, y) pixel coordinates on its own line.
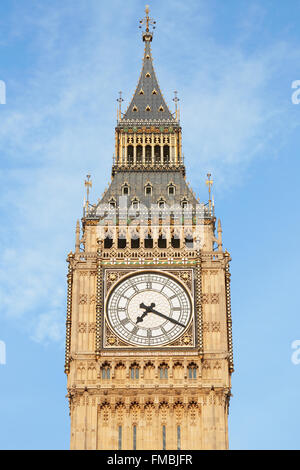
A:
(154, 132)
(148, 103)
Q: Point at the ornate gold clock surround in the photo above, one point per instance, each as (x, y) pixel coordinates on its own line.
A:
(184, 277)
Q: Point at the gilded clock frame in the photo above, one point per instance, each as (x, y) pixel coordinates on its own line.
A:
(187, 340)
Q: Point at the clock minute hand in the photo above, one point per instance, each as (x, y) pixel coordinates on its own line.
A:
(172, 320)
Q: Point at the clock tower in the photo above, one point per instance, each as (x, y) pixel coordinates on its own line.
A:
(148, 330)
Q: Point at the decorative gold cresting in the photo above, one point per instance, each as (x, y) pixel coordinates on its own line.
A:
(147, 36)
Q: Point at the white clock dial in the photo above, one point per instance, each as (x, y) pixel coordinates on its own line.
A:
(149, 309)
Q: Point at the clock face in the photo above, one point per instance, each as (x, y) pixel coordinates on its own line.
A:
(149, 309)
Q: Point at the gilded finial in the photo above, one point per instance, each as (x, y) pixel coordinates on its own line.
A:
(176, 99)
(77, 242)
(120, 100)
(209, 183)
(88, 185)
(147, 36)
(219, 226)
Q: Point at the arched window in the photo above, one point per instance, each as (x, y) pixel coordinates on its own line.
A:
(161, 203)
(148, 189)
(164, 437)
(175, 242)
(161, 242)
(134, 371)
(166, 154)
(130, 154)
(189, 242)
(125, 190)
(192, 371)
(171, 189)
(157, 154)
(163, 371)
(148, 156)
(148, 242)
(139, 154)
(184, 203)
(135, 204)
(178, 438)
(105, 371)
(108, 242)
(135, 243)
(119, 437)
(122, 242)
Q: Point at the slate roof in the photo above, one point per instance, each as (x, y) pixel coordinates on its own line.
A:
(159, 182)
(148, 99)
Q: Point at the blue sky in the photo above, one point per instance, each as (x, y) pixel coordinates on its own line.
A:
(233, 64)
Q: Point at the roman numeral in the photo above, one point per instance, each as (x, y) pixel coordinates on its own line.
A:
(165, 284)
(135, 330)
(134, 287)
(164, 331)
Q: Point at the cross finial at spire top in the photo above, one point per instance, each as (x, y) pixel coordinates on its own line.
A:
(147, 35)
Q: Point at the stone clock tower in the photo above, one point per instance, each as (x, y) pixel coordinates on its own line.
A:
(148, 331)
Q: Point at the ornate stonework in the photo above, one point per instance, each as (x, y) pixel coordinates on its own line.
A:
(126, 394)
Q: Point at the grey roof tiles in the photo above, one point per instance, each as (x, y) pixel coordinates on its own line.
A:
(148, 102)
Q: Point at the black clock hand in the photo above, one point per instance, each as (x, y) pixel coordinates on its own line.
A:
(172, 320)
(141, 318)
(147, 309)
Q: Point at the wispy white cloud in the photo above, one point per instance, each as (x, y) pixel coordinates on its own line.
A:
(48, 327)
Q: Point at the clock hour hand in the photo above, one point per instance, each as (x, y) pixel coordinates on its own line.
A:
(172, 320)
(147, 309)
(141, 318)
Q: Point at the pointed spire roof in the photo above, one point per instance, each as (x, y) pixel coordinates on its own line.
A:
(148, 103)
